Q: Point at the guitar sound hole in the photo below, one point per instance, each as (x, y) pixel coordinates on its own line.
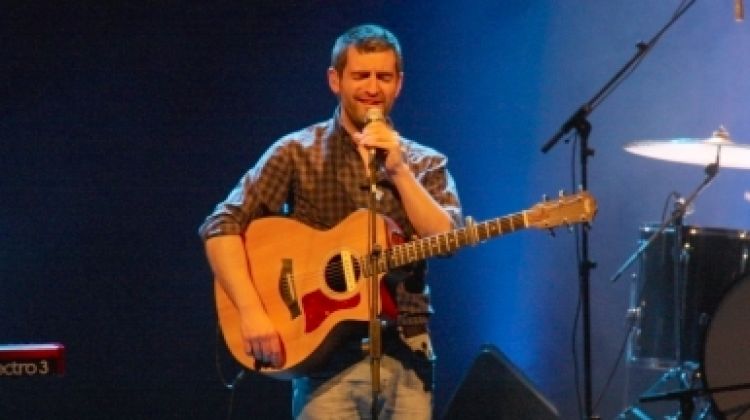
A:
(335, 274)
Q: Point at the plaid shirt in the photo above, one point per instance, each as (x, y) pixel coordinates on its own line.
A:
(317, 176)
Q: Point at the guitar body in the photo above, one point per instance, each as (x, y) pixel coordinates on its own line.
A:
(311, 285)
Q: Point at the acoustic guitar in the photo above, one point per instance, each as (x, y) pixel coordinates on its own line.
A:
(313, 283)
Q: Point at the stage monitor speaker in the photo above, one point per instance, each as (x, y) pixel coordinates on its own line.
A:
(495, 389)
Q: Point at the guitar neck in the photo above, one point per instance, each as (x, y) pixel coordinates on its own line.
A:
(567, 210)
(445, 243)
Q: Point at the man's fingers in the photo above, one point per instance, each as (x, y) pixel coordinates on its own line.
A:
(266, 350)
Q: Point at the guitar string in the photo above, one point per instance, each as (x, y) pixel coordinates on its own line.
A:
(430, 246)
(409, 253)
(424, 248)
(421, 248)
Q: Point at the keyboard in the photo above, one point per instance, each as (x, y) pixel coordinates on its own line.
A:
(27, 360)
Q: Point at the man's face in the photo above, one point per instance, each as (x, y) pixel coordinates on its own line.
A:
(369, 80)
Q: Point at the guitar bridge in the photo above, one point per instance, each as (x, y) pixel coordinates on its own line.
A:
(287, 291)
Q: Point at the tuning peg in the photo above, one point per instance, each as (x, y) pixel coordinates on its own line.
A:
(545, 198)
(561, 193)
(569, 226)
(551, 232)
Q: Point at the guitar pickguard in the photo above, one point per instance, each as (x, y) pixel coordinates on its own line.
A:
(318, 307)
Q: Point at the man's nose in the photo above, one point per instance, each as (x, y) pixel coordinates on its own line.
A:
(372, 85)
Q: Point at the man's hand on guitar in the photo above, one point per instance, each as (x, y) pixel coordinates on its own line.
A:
(261, 340)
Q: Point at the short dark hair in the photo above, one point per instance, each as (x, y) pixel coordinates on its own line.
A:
(365, 38)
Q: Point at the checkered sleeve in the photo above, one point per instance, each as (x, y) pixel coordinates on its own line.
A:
(260, 192)
(432, 172)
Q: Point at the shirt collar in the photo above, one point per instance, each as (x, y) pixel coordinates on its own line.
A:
(339, 133)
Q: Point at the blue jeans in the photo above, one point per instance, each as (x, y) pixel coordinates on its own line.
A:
(348, 394)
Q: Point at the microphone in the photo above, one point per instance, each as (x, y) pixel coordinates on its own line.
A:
(739, 10)
(373, 115)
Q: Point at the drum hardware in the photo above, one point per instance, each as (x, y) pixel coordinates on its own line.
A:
(711, 170)
(685, 376)
(682, 378)
(685, 267)
(687, 397)
(633, 315)
(710, 314)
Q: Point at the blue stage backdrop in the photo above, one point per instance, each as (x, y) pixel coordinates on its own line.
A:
(123, 125)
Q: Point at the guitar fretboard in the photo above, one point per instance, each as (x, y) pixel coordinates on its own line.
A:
(445, 243)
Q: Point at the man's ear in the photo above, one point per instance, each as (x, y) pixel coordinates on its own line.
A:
(334, 81)
(400, 83)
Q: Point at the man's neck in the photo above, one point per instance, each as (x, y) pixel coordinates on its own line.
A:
(346, 123)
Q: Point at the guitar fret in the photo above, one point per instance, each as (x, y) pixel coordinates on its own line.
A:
(463, 237)
(422, 252)
(446, 242)
(481, 232)
(468, 235)
(506, 225)
(411, 252)
(496, 224)
(487, 231)
(490, 228)
(456, 236)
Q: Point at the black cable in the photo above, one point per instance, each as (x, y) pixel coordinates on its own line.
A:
(577, 316)
(671, 196)
(574, 348)
(231, 386)
(674, 195)
(646, 48)
(612, 371)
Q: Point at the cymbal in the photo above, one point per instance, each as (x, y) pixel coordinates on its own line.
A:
(696, 151)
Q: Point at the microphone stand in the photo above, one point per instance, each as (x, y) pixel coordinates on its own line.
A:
(675, 219)
(374, 344)
(579, 122)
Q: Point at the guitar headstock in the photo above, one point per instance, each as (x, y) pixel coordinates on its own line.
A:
(565, 210)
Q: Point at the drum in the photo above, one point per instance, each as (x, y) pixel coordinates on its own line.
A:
(678, 288)
(726, 353)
